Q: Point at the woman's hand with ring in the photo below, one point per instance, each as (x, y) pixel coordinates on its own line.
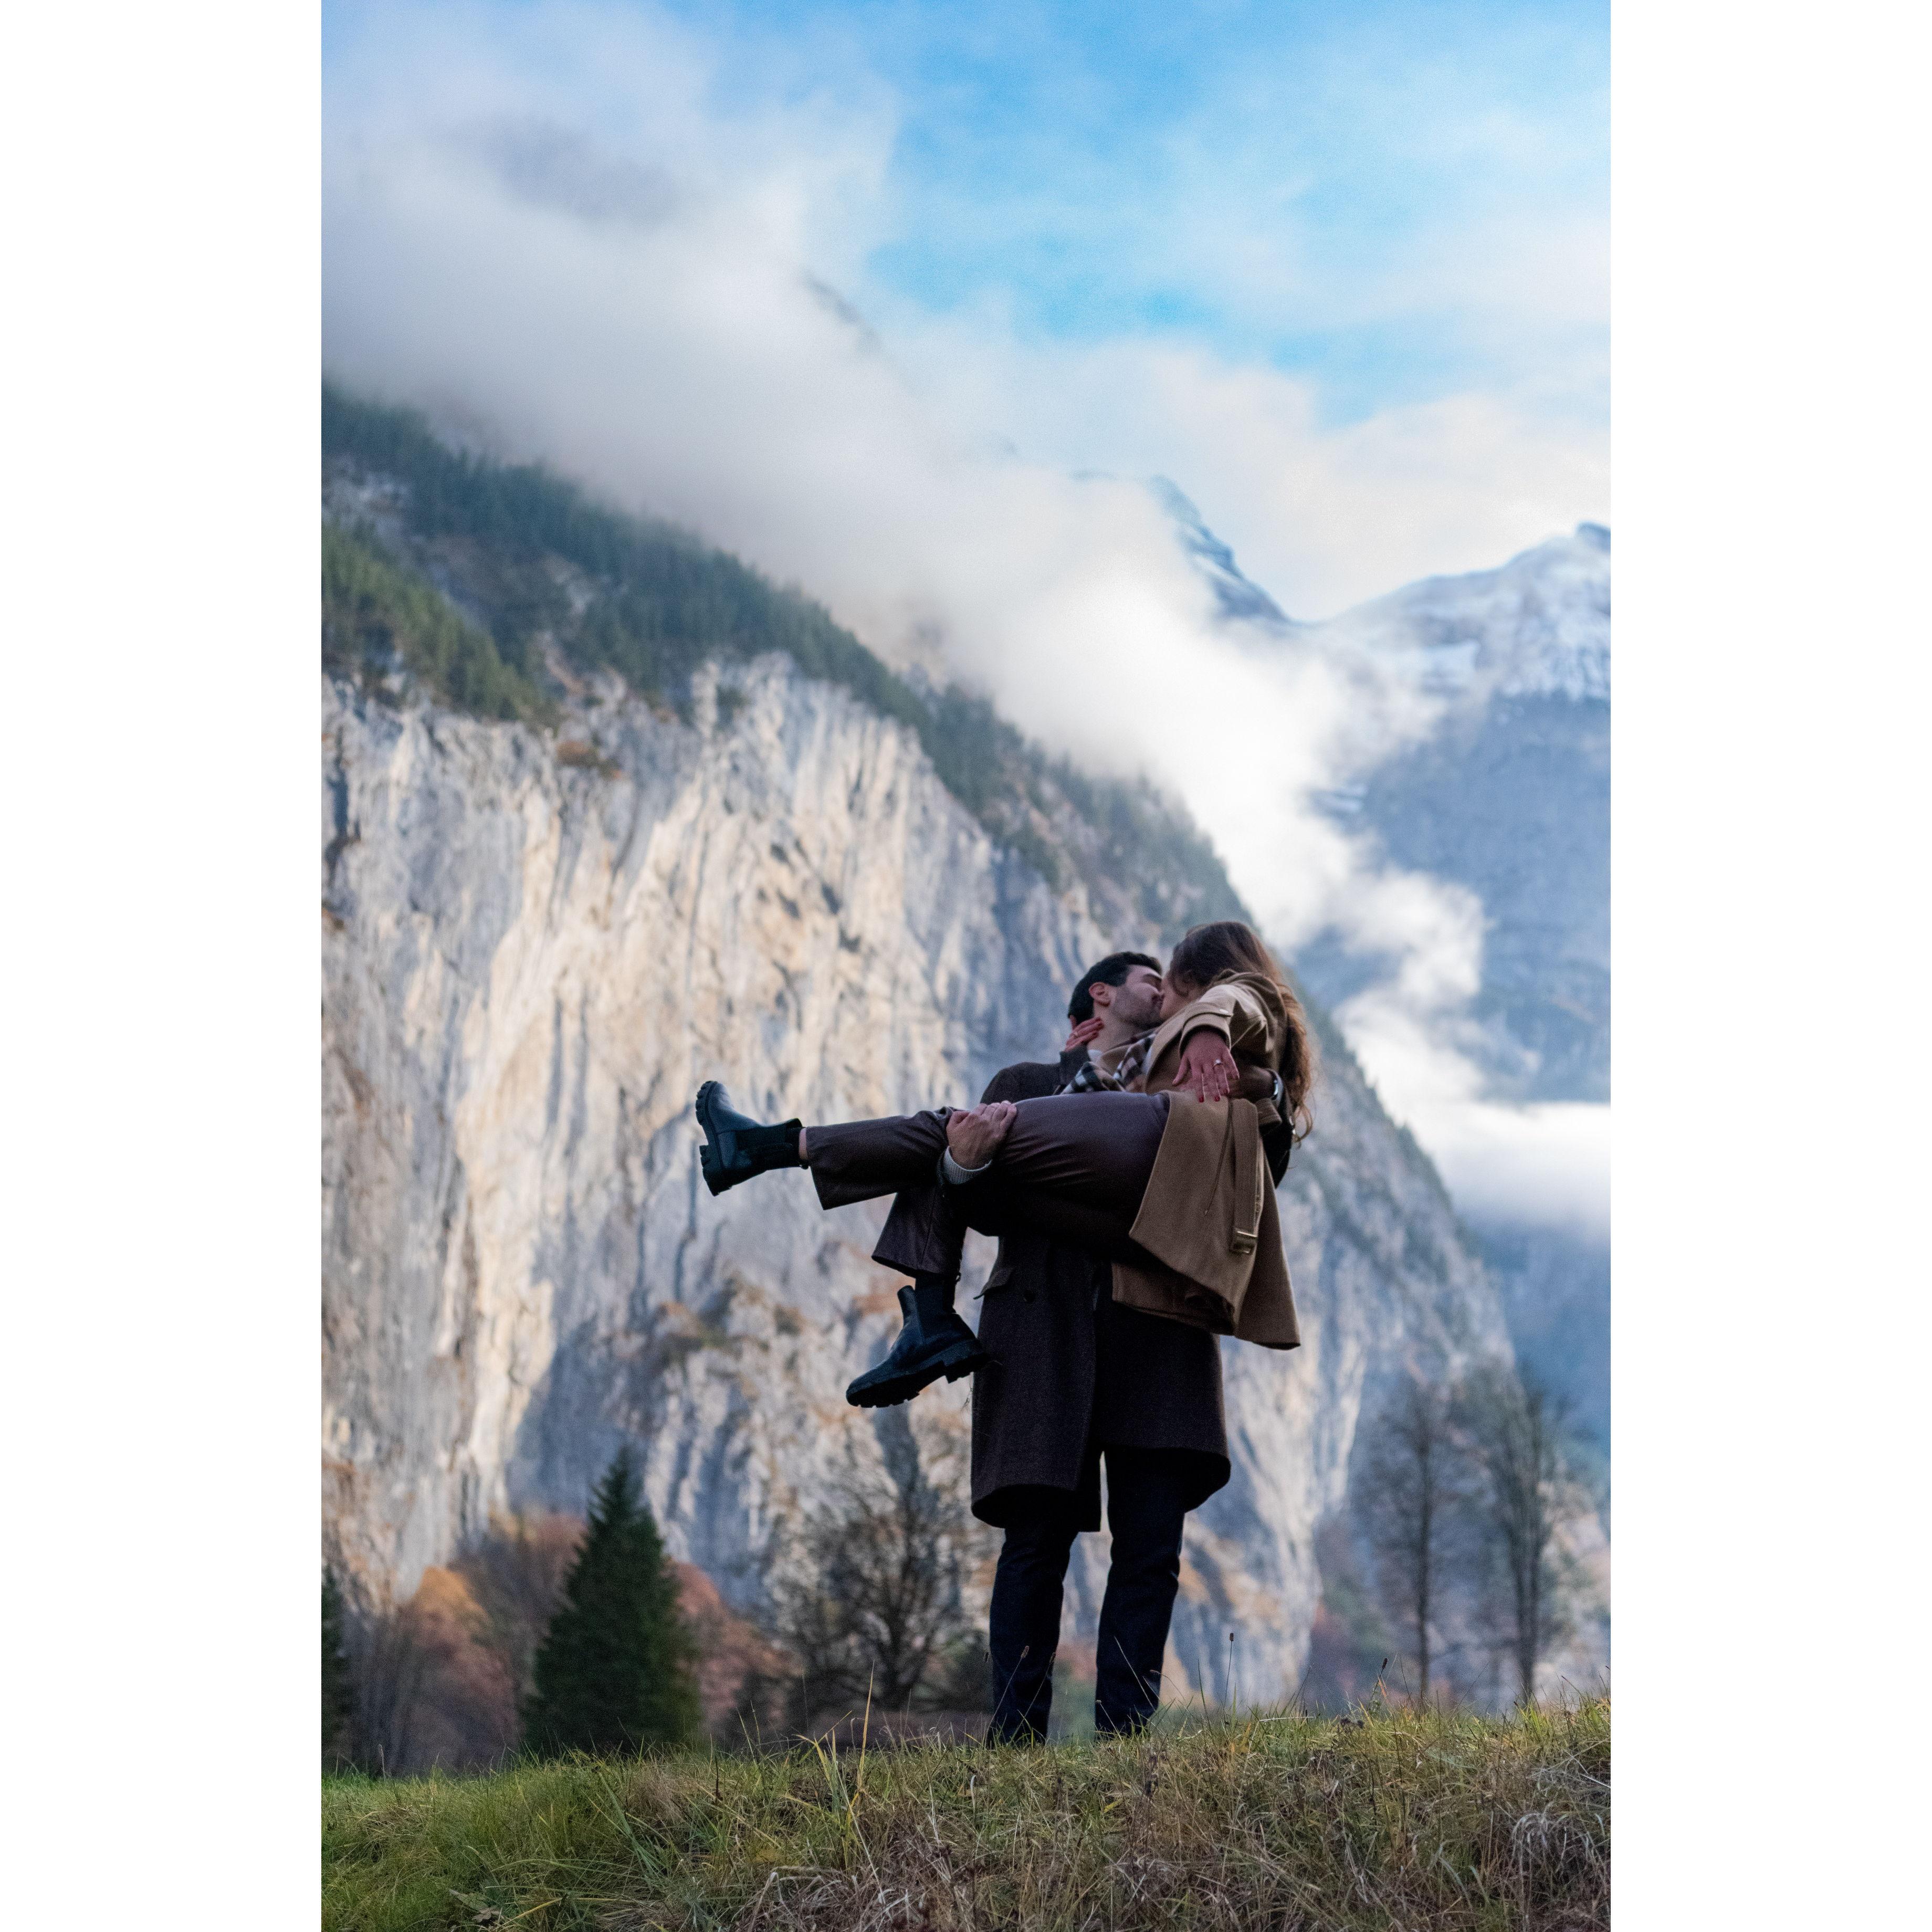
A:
(1206, 1067)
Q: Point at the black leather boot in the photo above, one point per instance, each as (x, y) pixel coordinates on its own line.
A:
(735, 1146)
(934, 1342)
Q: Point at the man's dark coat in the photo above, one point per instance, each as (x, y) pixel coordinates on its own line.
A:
(1073, 1371)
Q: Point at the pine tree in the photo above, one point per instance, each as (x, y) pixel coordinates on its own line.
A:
(338, 1692)
(614, 1672)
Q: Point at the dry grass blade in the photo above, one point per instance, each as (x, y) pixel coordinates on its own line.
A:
(1437, 1819)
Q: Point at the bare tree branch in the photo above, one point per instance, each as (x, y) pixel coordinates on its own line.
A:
(1519, 1437)
(1411, 1488)
(873, 1607)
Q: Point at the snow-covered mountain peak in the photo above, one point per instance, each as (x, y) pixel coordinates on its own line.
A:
(1240, 599)
(1538, 625)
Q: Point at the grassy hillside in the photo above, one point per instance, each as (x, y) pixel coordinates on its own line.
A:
(533, 559)
(1450, 1822)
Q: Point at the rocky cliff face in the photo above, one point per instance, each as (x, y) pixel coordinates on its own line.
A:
(538, 942)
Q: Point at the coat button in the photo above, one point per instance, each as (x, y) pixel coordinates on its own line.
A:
(1026, 1294)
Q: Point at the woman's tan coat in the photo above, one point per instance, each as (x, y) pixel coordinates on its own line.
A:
(1208, 1215)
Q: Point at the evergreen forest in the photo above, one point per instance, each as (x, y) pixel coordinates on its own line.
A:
(480, 564)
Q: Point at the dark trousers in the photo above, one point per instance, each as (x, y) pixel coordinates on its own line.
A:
(1148, 1495)
(1073, 1166)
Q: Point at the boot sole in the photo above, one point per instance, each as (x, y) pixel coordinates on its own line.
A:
(890, 1395)
(903, 1388)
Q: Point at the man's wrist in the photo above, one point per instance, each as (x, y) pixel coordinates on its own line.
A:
(957, 1175)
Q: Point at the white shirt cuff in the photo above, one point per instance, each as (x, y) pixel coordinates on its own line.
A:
(957, 1176)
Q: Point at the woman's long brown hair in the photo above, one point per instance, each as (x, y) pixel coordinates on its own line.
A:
(1227, 946)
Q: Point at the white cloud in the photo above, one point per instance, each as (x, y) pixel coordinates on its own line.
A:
(561, 245)
(1549, 1162)
(1325, 518)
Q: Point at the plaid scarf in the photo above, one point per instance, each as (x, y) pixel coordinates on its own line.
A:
(1127, 1070)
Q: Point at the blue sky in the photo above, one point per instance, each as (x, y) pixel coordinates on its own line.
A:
(1355, 194)
(1058, 160)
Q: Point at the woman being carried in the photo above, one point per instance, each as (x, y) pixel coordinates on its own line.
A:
(1176, 1195)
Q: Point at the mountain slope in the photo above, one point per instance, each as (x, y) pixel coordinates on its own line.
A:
(538, 936)
(556, 586)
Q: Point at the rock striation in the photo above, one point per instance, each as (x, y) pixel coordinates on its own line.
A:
(537, 941)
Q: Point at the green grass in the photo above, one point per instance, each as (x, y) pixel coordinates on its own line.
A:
(1444, 1821)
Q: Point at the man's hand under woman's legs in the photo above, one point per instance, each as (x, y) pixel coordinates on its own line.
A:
(974, 1134)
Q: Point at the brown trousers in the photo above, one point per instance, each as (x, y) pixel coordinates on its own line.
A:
(1073, 1166)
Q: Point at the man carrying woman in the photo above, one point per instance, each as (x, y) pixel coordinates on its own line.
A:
(1069, 1372)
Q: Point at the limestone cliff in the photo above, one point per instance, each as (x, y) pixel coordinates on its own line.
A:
(539, 940)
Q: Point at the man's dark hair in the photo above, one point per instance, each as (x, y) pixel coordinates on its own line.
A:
(1110, 971)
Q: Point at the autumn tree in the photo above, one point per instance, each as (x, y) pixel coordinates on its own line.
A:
(391, 1660)
(516, 1573)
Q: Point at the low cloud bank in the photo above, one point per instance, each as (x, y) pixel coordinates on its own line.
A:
(1549, 1162)
(548, 236)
